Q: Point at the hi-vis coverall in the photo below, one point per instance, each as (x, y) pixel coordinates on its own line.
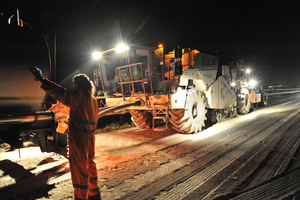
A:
(82, 124)
(62, 115)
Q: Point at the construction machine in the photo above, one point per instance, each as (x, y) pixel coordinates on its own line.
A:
(184, 87)
(250, 94)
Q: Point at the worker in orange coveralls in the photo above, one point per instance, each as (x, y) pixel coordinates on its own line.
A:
(82, 124)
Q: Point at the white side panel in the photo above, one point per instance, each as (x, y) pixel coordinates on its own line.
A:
(201, 79)
(212, 95)
(220, 95)
(195, 76)
(208, 76)
(178, 99)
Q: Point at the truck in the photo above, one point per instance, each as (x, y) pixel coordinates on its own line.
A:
(181, 87)
(24, 114)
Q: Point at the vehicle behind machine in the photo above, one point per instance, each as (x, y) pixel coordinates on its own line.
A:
(23, 104)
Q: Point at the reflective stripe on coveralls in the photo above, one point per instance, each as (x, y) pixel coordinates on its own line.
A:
(83, 168)
(82, 124)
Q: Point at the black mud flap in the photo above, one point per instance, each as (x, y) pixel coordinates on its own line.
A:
(58, 144)
(62, 144)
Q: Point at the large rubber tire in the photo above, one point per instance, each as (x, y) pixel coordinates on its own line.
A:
(191, 119)
(141, 118)
(264, 98)
(245, 96)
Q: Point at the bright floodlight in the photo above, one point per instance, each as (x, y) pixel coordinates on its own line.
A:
(121, 48)
(252, 83)
(248, 71)
(97, 55)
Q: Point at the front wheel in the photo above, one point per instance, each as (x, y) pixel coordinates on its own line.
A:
(141, 118)
(191, 118)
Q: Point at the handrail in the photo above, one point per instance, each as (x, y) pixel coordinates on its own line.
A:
(131, 81)
(279, 90)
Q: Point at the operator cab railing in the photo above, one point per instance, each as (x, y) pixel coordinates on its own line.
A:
(131, 79)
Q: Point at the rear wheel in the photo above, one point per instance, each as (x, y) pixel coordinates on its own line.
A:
(264, 98)
(141, 118)
(245, 101)
(191, 119)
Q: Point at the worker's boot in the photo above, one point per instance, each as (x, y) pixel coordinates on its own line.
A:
(96, 197)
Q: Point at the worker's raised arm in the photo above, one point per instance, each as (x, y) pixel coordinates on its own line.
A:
(63, 95)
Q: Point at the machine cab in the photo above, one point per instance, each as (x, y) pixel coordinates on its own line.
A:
(135, 70)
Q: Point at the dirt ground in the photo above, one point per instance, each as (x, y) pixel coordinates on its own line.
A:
(116, 172)
(110, 175)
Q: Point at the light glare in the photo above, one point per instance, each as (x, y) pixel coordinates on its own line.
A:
(252, 83)
(120, 48)
(97, 55)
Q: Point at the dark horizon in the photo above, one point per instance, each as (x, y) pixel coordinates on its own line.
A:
(265, 35)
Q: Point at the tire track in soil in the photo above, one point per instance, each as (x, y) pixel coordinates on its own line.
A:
(41, 177)
(248, 148)
(277, 162)
(191, 147)
(187, 171)
(285, 186)
(255, 169)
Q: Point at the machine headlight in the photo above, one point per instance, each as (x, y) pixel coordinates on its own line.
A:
(121, 47)
(252, 83)
(97, 55)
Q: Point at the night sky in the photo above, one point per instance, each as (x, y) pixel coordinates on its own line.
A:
(264, 34)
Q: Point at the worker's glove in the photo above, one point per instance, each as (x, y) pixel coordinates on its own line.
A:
(37, 73)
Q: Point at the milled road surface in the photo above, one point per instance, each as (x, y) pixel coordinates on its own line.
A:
(253, 156)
